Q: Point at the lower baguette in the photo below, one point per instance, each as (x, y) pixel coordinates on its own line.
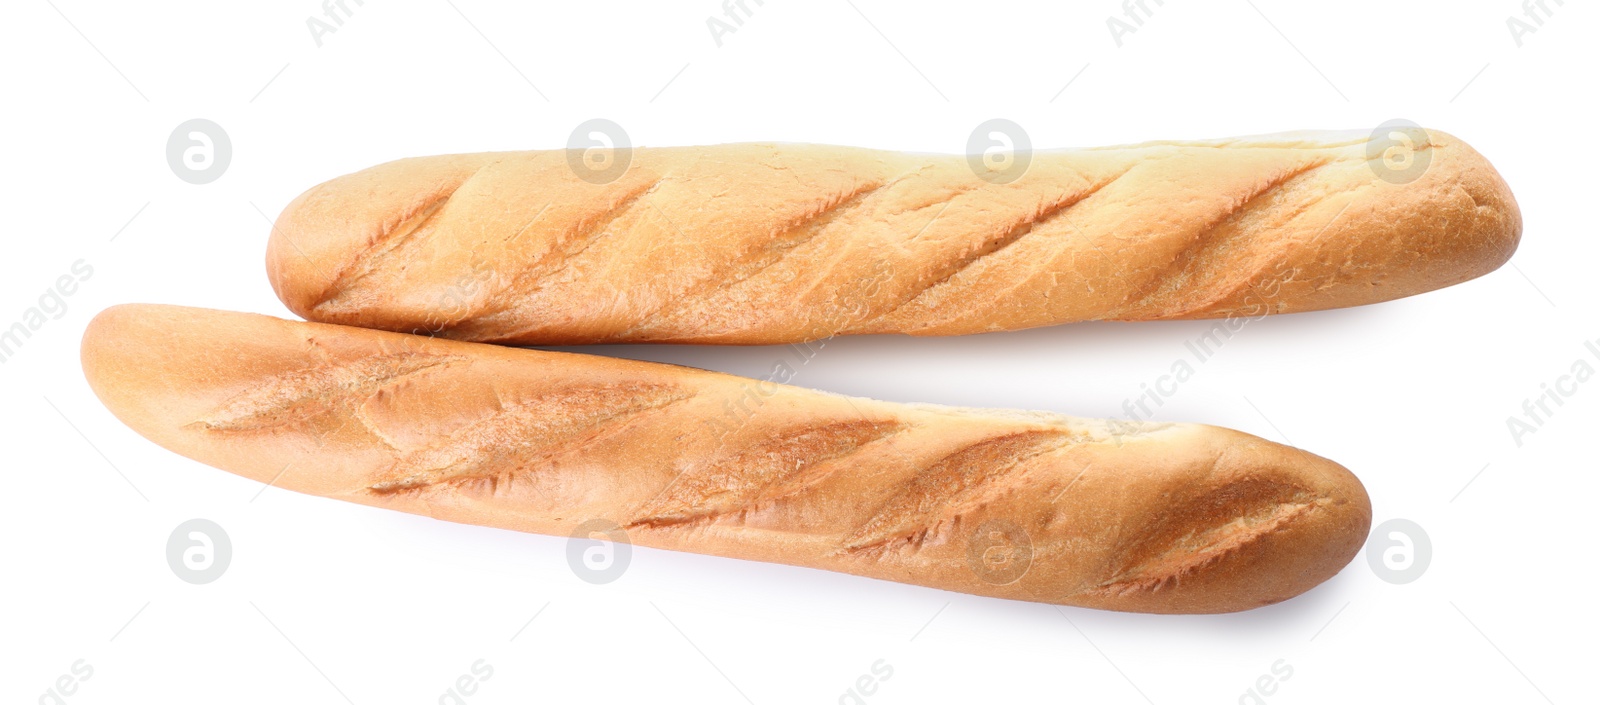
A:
(1171, 518)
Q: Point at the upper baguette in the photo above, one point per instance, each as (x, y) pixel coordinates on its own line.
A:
(760, 243)
(1031, 506)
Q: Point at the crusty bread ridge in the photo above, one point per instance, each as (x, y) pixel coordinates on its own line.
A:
(1172, 518)
(763, 243)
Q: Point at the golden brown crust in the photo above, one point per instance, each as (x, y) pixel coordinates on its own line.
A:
(756, 243)
(1030, 506)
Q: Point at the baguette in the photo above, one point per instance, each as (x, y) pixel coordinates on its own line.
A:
(1146, 517)
(763, 244)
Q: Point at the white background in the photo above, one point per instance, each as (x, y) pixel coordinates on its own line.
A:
(327, 602)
